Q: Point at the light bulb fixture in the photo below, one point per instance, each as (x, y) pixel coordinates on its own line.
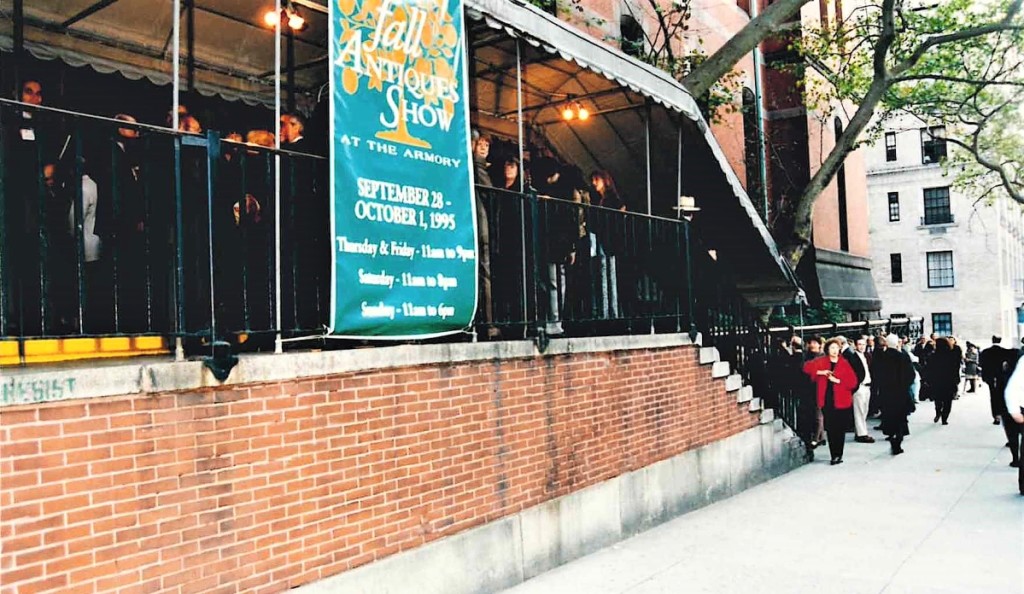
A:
(574, 110)
(289, 14)
(296, 22)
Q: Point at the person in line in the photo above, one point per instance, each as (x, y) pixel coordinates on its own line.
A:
(862, 396)
(121, 226)
(834, 379)
(893, 373)
(558, 225)
(1013, 399)
(32, 142)
(994, 362)
(481, 150)
(803, 391)
(943, 378)
(608, 237)
(813, 352)
(959, 352)
(971, 368)
(876, 344)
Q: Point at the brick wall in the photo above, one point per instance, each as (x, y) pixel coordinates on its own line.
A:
(264, 487)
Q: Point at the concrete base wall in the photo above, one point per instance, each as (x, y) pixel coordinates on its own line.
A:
(508, 551)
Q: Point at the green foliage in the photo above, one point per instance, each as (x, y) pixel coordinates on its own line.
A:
(829, 313)
(969, 78)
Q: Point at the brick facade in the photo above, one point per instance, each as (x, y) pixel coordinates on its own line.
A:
(264, 487)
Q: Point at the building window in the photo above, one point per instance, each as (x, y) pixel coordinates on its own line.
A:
(940, 270)
(894, 207)
(632, 36)
(936, 207)
(896, 264)
(933, 144)
(942, 324)
(890, 146)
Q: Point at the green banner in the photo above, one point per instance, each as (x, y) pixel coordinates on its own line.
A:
(402, 207)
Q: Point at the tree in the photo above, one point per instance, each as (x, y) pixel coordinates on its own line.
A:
(956, 62)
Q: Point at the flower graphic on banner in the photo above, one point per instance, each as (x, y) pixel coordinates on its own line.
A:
(407, 50)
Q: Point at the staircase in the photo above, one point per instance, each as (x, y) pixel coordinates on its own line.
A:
(709, 356)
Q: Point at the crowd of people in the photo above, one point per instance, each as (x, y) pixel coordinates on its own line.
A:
(586, 263)
(840, 386)
(90, 223)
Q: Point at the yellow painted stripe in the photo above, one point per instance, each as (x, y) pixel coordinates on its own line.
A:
(77, 349)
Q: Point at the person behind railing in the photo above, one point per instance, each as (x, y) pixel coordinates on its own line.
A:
(99, 289)
(507, 251)
(304, 230)
(482, 150)
(252, 214)
(608, 237)
(558, 225)
(120, 222)
(834, 379)
(510, 177)
(32, 140)
(893, 372)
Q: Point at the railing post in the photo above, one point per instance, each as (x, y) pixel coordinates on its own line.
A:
(690, 295)
(4, 271)
(540, 316)
(212, 160)
(76, 183)
(179, 257)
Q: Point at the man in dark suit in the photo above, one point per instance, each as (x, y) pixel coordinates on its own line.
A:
(1014, 403)
(304, 228)
(996, 364)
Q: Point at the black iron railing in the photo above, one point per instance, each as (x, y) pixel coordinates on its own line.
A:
(116, 228)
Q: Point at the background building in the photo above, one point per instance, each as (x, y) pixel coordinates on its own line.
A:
(938, 254)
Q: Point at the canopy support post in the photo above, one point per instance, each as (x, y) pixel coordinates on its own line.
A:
(175, 64)
(190, 45)
(19, 44)
(647, 150)
(278, 345)
(290, 56)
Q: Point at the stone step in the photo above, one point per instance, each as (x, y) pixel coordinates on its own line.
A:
(720, 369)
(733, 382)
(755, 404)
(767, 416)
(708, 355)
(745, 394)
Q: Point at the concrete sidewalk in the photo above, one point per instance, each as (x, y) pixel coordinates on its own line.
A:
(943, 517)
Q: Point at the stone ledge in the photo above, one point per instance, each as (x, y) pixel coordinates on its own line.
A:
(708, 355)
(92, 379)
(515, 548)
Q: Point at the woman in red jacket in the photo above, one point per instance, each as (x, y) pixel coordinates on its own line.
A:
(836, 382)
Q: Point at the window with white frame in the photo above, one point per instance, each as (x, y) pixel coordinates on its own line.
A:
(940, 269)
